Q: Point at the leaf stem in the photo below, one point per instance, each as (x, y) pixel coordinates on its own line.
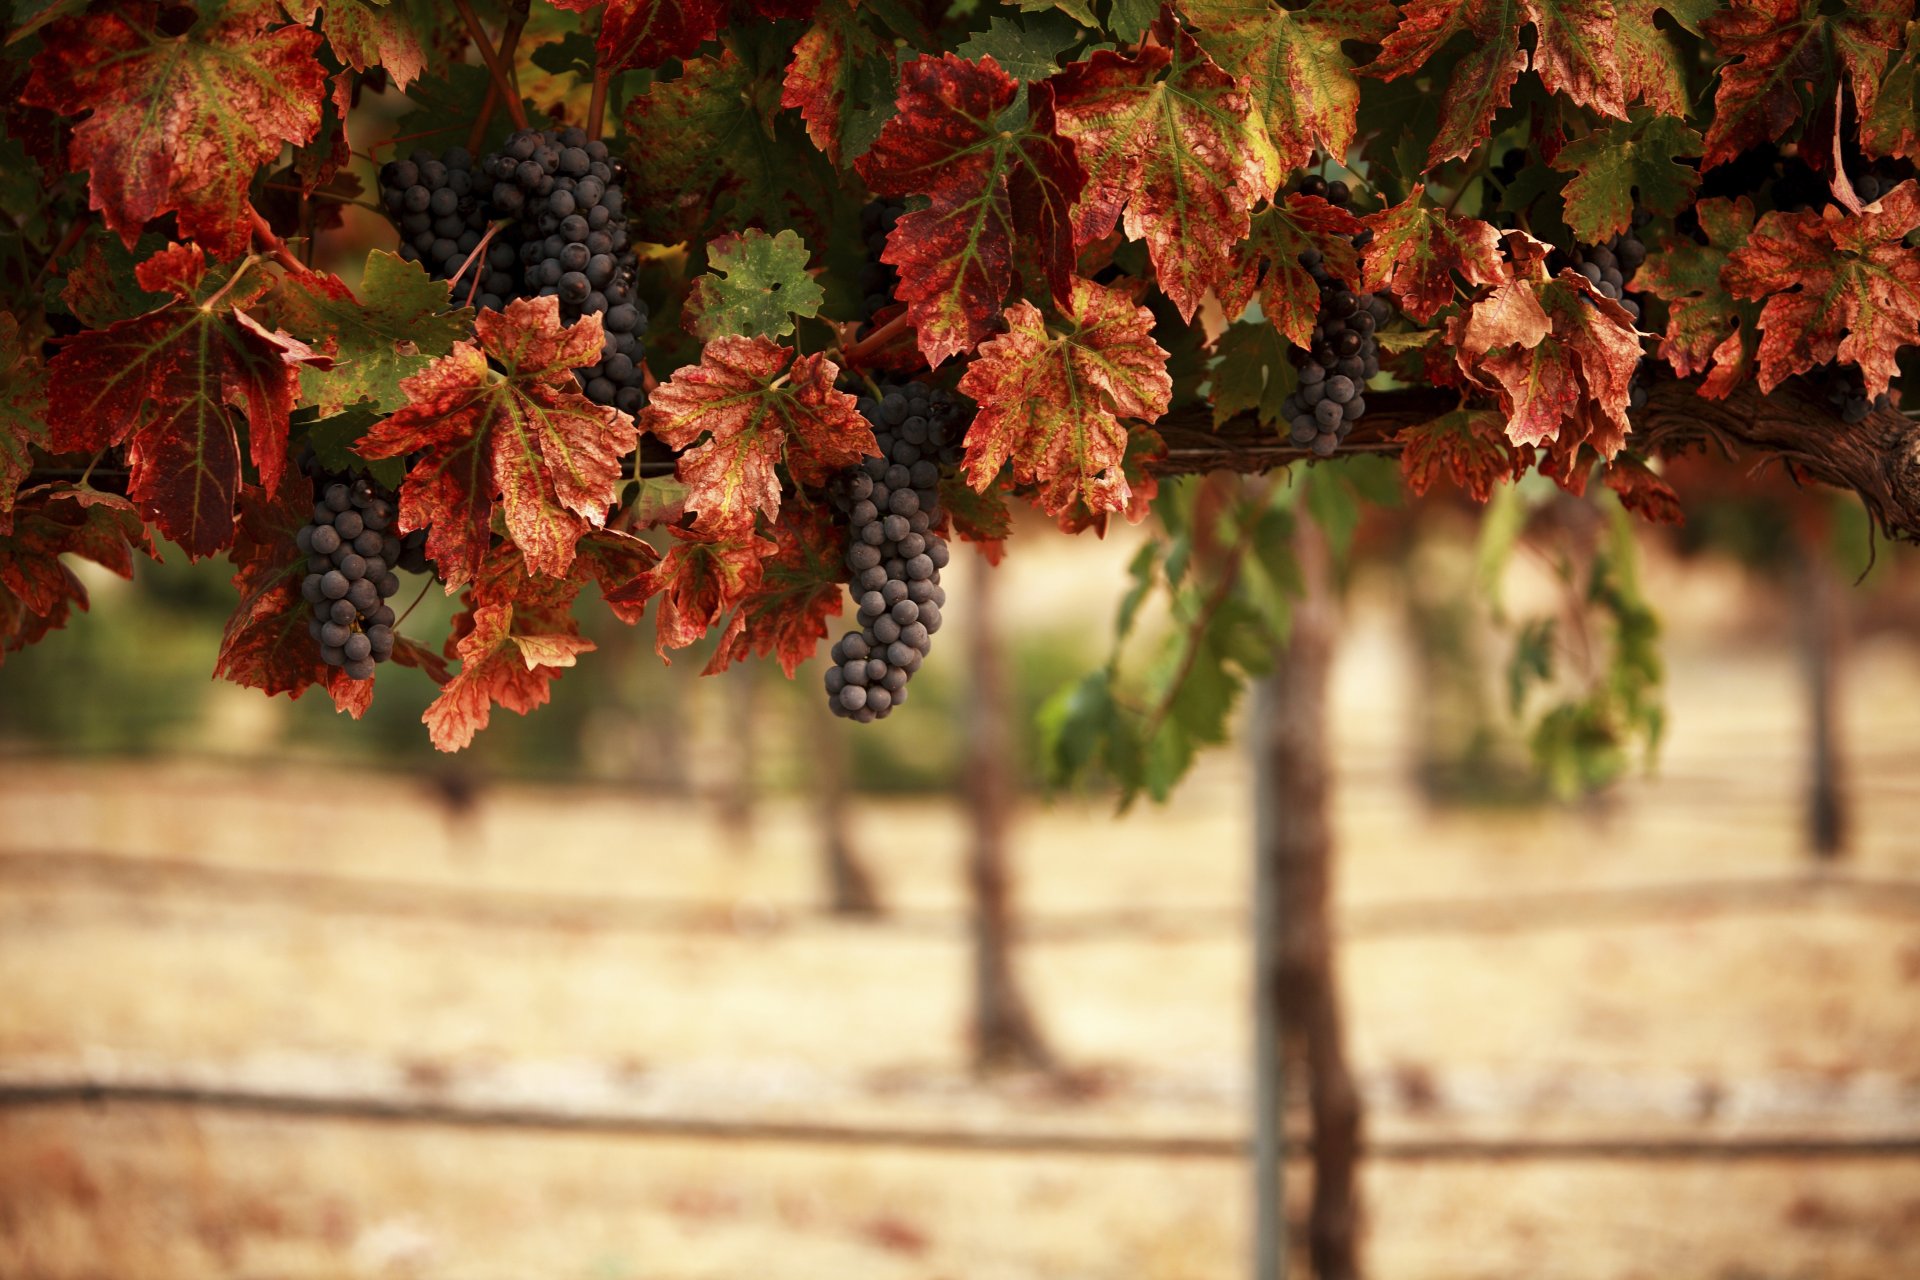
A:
(416, 603)
(477, 250)
(274, 245)
(495, 67)
(597, 104)
(509, 46)
(232, 280)
(875, 341)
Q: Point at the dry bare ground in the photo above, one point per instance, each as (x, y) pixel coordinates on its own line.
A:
(1666, 969)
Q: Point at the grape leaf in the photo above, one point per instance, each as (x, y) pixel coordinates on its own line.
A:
(37, 591)
(990, 183)
(1252, 373)
(522, 438)
(1772, 47)
(1892, 127)
(699, 581)
(512, 641)
(615, 559)
(1467, 446)
(636, 34)
(802, 584)
(1574, 52)
(1051, 402)
(1558, 355)
(23, 411)
(1824, 276)
(333, 439)
(1288, 293)
(1303, 84)
(1642, 492)
(1145, 448)
(1709, 331)
(1416, 248)
(400, 321)
(1172, 140)
(1652, 70)
(369, 33)
(757, 284)
(100, 287)
(712, 147)
(1025, 48)
(164, 382)
(755, 403)
(266, 644)
(840, 81)
(179, 122)
(1620, 166)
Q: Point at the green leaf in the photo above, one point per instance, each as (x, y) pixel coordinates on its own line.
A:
(572, 54)
(333, 439)
(1131, 18)
(757, 285)
(1251, 373)
(400, 322)
(1081, 11)
(1624, 164)
(1025, 48)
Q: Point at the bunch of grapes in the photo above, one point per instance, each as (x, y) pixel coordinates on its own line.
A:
(351, 552)
(878, 279)
(1609, 266)
(555, 199)
(1345, 353)
(442, 206)
(563, 192)
(894, 548)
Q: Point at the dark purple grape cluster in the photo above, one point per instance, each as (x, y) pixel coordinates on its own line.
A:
(563, 191)
(442, 205)
(1609, 267)
(1333, 372)
(878, 279)
(894, 549)
(351, 552)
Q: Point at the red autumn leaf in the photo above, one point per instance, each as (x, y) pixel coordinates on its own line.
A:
(1709, 331)
(1051, 402)
(514, 639)
(1467, 446)
(1302, 83)
(1770, 48)
(1557, 354)
(1289, 295)
(1642, 492)
(165, 382)
(756, 404)
(37, 591)
(1172, 140)
(1144, 449)
(1573, 53)
(1417, 247)
(1892, 128)
(615, 560)
(699, 581)
(830, 62)
(266, 644)
(1836, 285)
(180, 122)
(988, 188)
(636, 34)
(802, 584)
(23, 405)
(523, 438)
(369, 33)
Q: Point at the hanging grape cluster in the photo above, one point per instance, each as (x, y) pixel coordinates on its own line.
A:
(1345, 353)
(894, 548)
(556, 207)
(351, 553)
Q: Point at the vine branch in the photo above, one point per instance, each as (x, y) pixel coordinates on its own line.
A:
(502, 81)
(1877, 458)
